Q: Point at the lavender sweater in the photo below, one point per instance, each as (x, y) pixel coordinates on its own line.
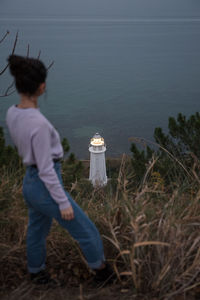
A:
(38, 143)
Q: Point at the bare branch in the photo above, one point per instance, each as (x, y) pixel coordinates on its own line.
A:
(8, 92)
(10, 86)
(3, 38)
(51, 64)
(39, 54)
(28, 51)
(13, 51)
(4, 69)
(10, 89)
(15, 43)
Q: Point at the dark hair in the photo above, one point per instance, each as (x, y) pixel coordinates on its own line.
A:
(29, 73)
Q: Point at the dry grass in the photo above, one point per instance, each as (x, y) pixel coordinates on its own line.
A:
(151, 237)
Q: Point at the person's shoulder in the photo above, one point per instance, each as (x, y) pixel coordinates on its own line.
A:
(10, 113)
(38, 119)
(11, 109)
(38, 122)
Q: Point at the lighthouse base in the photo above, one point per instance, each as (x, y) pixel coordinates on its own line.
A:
(98, 175)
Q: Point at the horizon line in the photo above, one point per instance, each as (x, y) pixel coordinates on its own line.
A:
(103, 19)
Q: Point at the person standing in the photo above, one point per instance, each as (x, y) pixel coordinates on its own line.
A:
(39, 145)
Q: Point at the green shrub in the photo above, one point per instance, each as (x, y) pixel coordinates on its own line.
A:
(176, 150)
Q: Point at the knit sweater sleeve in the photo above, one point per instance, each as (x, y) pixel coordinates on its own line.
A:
(41, 146)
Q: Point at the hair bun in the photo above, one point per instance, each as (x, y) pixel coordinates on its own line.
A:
(28, 73)
(16, 64)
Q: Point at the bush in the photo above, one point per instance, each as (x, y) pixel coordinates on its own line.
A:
(8, 154)
(177, 151)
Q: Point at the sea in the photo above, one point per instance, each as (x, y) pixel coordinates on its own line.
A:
(120, 77)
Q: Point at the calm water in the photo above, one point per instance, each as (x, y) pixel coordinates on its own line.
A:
(118, 77)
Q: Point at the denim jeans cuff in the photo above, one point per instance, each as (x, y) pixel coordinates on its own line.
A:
(36, 270)
(96, 264)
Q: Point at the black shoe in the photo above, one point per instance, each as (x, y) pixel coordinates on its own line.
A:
(43, 278)
(105, 275)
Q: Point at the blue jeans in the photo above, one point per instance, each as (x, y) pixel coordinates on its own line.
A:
(42, 209)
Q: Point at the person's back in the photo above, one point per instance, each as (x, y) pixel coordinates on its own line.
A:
(23, 125)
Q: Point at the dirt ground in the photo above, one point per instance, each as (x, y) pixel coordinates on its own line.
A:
(27, 291)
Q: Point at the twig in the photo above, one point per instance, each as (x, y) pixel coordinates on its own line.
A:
(7, 92)
(3, 38)
(51, 64)
(186, 286)
(39, 54)
(15, 43)
(81, 292)
(149, 169)
(119, 177)
(13, 51)
(28, 50)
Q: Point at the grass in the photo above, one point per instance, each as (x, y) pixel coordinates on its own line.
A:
(150, 233)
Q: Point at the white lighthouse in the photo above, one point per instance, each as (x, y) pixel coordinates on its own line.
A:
(97, 150)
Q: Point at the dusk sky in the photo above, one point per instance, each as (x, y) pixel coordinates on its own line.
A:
(101, 8)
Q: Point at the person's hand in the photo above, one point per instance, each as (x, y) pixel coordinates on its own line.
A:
(67, 213)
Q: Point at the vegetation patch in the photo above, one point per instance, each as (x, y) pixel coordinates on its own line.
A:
(149, 219)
